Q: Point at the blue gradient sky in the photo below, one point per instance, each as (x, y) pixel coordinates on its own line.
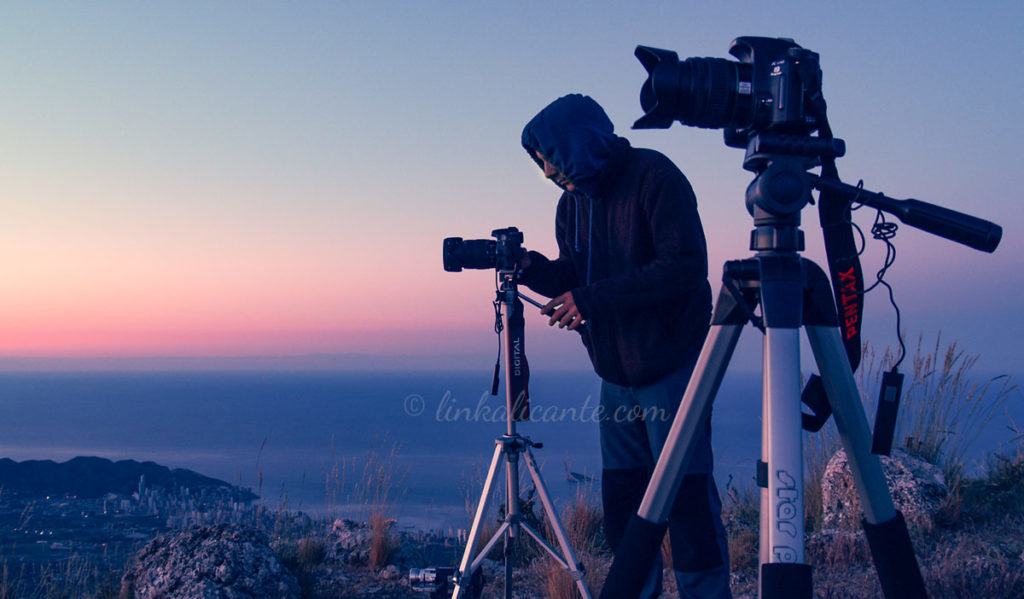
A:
(239, 178)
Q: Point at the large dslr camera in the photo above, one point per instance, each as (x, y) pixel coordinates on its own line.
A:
(765, 90)
(502, 253)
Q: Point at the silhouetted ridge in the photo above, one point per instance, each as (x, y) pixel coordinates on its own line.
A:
(88, 477)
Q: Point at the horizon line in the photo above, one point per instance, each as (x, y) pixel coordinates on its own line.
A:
(322, 362)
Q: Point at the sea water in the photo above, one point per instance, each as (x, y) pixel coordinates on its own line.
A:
(331, 442)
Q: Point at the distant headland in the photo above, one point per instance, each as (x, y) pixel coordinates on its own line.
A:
(93, 477)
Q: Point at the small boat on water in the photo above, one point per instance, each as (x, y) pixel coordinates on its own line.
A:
(577, 477)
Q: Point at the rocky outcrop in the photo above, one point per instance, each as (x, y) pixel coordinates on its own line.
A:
(918, 489)
(208, 562)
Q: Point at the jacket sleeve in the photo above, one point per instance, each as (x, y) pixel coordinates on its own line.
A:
(679, 265)
(552, 277)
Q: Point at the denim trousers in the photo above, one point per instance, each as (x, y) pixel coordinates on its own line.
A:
(634, 425)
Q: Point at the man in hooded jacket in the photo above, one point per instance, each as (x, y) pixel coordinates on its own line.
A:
(632, 278)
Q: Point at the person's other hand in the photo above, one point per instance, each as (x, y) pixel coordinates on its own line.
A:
(563, 311)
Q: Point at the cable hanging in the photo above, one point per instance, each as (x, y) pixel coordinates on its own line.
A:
(885, 231)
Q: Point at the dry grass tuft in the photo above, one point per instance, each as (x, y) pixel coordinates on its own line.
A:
(582, 520)
(310, 553)
(303, 559)
(383, 544)
(741, 515)
(970, 567)
(376, 491)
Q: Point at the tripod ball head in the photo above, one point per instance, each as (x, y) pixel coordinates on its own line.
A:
(781, 190)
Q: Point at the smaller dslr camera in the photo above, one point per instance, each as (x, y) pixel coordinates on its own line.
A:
(439, 582)
(431, 580)
(501, 253)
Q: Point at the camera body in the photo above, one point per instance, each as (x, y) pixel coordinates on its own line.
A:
(501, 253)
(435, 581)
(769, 89)
(439, 581)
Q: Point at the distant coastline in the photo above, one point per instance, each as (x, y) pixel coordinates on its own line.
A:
(91, 477)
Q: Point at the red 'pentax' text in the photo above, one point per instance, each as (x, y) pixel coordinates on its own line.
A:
(850, 298)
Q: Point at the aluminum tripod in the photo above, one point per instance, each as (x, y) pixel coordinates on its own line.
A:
(793, 293)
(509, 448)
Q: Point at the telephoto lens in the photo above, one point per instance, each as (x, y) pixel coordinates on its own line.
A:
(701, 92)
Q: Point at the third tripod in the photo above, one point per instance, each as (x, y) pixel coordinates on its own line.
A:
(508, 449)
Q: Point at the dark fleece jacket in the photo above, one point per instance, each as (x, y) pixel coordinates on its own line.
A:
(631, 246)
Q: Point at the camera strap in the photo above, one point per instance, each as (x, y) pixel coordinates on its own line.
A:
(848, 292)
(844, 268)
(845, 273)
(515, 349)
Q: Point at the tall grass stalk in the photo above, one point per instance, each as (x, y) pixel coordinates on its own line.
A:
(581, 519)
(943, 410)
(944, 406)
(71, 578)
(334, 481)
(378, 490)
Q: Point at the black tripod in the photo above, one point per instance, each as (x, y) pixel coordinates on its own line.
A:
(793, 293)
(509, 448)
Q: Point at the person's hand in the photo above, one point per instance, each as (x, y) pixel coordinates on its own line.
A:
(524, 259)
(563, 311)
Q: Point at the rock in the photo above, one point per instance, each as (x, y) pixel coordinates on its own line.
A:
(348, 543)
(917, 487)
(209, 562)
(390, 573)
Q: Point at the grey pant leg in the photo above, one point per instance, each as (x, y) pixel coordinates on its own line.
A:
(695, 522)
(634, 426)
(625, 460)
(693, 540)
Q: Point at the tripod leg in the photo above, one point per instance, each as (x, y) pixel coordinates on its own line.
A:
(462, 577)
(785, 573)
(884, 526)
(573, 566)
(647, 527)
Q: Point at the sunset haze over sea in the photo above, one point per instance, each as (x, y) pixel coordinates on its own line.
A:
(254, 181)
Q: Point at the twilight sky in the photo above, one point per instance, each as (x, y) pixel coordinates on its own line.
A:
(199, 179)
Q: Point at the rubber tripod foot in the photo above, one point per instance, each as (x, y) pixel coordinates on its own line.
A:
(894, 558)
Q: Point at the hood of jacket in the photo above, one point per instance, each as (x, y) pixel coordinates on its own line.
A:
(575, 135)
